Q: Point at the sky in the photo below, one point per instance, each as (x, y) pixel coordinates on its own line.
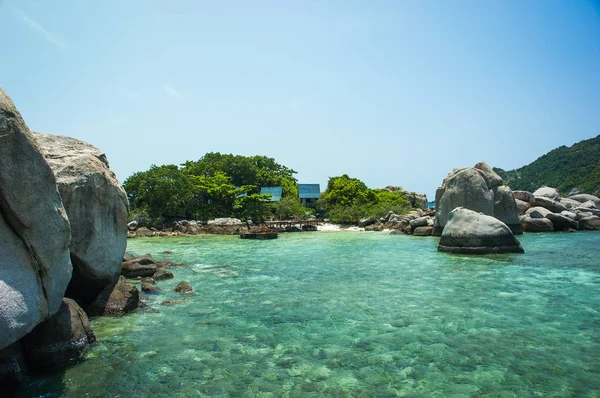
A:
(390, 92)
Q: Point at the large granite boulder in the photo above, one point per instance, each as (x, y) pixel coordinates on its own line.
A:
(505, 208)
(537, 212)
(569, 203)
(522, 206)
(142, 266)
(493, 177)
(468, 188)
(582, 198)
(547, 192)
(470, 232)
(561, 222)
(524, 196)
(97, 208)
(536, 224)
(35, 268)
(59, 340)
(590, 223)
(552, 205)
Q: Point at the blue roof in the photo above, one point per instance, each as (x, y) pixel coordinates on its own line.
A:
(275, 193)
(309, 191)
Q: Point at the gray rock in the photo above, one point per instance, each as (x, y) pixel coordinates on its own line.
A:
(570, 214)
(493, 177)
(536, 224)
(590, 223)
(582, 198)
(468, 188)
(537, 212)
(97, 208)
(225, 221)
(150, 288)
(128, 256)
(364, 222)
(569, 203)
(470, 232)
(35, 267)
(522, 206)
(505, 208)
(419, 222)
(561, 223)
(162, 274)
(60, 340)
(590, 204)
(184, 288)
(524, 196)
(141, 266)
(574, 191)
(115, 299)
(552, 205)
(547, 192)
(423, 231)
(582, 214)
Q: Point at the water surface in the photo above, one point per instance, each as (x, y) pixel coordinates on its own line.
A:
(353, 314)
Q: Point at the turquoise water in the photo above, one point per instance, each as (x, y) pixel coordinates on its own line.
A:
(353, 314)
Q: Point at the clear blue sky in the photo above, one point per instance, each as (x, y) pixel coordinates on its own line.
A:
(391, 92)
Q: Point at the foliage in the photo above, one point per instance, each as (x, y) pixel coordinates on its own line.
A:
(563, 168)
(289, 208)
(255, 207)
(208, 188)
(347, 200)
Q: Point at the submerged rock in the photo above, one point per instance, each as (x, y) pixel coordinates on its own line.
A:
(61, 339)
(184, 288)
(470, 232)
(35, 267)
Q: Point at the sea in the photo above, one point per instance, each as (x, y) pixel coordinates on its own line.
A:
(351, 314)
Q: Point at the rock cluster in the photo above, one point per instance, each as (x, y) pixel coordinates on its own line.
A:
(63, 227)
(417, 222)
(545, 211)
(219, 226)
(477, 188)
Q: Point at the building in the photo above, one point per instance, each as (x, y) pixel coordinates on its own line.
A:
(275, 193)
(309, 194)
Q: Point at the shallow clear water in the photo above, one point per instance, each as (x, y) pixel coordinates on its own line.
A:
(353, 314)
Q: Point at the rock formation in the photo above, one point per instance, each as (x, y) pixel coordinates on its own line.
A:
(471, 232)
(97, 207)
(35, 235)
(479, 189)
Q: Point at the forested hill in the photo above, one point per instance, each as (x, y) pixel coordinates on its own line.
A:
(563, 168)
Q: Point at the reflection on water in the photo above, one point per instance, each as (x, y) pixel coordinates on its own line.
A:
(353, 314)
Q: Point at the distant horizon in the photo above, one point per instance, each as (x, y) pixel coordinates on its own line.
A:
(389, 92)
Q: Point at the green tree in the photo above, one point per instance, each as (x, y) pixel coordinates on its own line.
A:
(255, 207)
(290, 207)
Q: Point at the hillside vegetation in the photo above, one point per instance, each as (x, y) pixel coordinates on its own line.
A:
(563, 168)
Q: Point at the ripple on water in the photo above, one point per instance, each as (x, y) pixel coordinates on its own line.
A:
(353, 314)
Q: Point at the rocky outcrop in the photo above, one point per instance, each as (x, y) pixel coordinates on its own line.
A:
(470, 232)
(547, 192)
(97, 207)
(34, 249)
(479, 189)
(184, 288)
(116, 299)
(553, 205)
(561, 222)
(536, 224)
(59, 340)
(141, 266)
(522, 206)
(582, 198)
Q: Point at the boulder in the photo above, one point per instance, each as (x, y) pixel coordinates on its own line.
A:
(468, 188)
(115, 299)
(537, 212)
(574, 191)
(522, 206)
(97, 207)
(505, 208)
(150, 288)
(590, 204)
(364, 222)
(561, 223)
(59, 340)
(590, 223)
(141, 266)
(493, 177)
(35, 267)
(569, 203)
(144, 232)
(162, 274)
(419, 222)
(536, 224)
(582, 198)
(552, 205)
(184, 288)
(570, 214)
(423, 231)
(225, 221)
(547, 192)
(524, 196)
(470, 232)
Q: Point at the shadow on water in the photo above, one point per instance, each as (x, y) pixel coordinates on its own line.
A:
(46, 385)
